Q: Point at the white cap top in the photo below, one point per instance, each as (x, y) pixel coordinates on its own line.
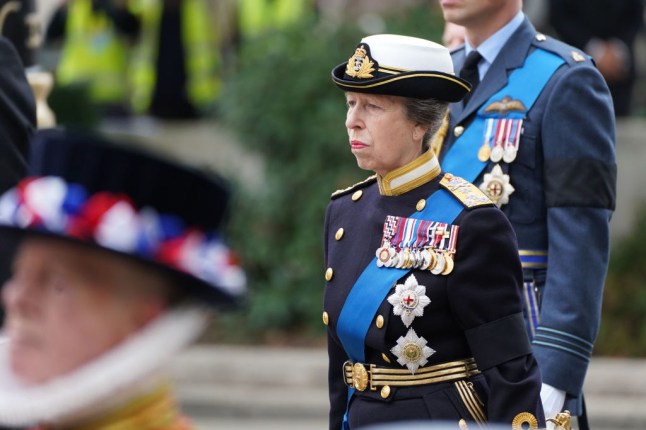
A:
(409, 53)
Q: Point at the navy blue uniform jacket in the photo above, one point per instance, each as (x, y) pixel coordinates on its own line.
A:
(564, 178)
(460, 322)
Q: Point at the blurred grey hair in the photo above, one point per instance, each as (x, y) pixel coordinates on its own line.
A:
(428, 113)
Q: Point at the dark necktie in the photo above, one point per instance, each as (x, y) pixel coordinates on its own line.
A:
(469, 72)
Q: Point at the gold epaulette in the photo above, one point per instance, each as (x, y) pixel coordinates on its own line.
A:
(467, 193)
(369, 180)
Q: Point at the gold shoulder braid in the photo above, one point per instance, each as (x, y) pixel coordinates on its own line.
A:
(344, 191)
(465, 191)
(472, 402)
(438, 138)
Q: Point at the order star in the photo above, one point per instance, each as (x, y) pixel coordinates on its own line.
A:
(409, 300)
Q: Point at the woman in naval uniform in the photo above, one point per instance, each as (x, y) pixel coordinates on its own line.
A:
(422, 300)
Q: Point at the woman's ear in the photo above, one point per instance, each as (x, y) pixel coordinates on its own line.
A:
(418, 132)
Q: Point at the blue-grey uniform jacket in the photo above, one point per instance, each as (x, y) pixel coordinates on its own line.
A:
(475, 311)
(564, 179)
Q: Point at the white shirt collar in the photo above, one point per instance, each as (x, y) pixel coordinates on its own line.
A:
(490, 48)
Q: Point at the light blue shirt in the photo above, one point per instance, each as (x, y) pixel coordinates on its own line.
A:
(490, 48)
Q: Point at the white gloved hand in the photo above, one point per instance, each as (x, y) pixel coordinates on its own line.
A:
(553, 400)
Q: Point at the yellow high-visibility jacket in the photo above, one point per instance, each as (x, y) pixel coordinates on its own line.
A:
(200, 46)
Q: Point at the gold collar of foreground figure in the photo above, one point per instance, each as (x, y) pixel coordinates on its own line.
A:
(156, 410)
(410, 176)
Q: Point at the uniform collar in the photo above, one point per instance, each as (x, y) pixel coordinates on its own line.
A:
(410, 176)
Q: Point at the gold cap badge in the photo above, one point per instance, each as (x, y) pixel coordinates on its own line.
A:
(359, 65)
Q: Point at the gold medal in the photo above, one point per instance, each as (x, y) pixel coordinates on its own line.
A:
(433, 259)
(484, 152)
(409, 259)
(449, 264)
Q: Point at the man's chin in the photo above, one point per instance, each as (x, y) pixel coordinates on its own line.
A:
(26, 363)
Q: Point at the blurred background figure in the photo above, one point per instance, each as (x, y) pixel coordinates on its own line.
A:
(17, 107)
(17, 124)
(607, 30)
(175, 67)
(18, 39)
(96, 38)
(20, 24)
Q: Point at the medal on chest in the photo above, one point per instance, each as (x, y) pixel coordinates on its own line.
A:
(500, 143)
(411, 351)
(496, 186)
(409, 243)
(409, 300)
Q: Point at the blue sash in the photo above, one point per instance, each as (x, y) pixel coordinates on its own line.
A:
(372, 286)
(525, 84)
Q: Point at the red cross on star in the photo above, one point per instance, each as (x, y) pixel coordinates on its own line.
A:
(408, 300)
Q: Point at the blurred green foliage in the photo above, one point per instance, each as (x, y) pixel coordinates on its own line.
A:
(283, 105)
(623, 325)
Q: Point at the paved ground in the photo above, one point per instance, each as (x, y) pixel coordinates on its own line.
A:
(227, 387)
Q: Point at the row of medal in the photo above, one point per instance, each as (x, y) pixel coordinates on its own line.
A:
(410, 243)
(501, 140)
(438, 262)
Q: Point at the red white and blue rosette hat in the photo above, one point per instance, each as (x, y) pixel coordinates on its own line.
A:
(405, 66)
(90, 190)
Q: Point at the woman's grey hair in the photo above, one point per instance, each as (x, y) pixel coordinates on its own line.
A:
(428, 113)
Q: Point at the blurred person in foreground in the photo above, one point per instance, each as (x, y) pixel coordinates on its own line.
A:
(537, 135)
(422, 300)
(607, 30)
(115, 263)
(17, 116)
(17, 125)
